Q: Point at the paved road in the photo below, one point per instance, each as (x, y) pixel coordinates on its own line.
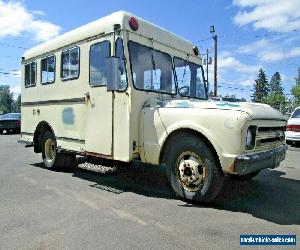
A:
(134, 209)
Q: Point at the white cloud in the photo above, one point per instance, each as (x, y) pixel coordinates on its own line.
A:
(16, 20)
(272, 15)
(277, 54)
(16, 90)
(252, 47)
(230, 63)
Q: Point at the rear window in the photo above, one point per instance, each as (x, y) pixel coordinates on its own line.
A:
(11, 116)
(30, 74)
(296, 113)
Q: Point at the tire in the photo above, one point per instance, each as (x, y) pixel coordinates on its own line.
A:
(245, 177)
(51, 158)
(192, 169)
(1, 132)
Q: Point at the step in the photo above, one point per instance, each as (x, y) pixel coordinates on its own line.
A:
(97, 168)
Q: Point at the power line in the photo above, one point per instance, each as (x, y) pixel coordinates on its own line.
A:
(8, 73)
(13, 46)
(10, 69)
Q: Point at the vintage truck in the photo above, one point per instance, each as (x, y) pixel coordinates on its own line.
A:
(123, 89)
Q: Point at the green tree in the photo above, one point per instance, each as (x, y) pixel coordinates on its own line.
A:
(296, 90)
(261, 87)
(18, 104)
(6, 99)
(296, 94)
(276, 97)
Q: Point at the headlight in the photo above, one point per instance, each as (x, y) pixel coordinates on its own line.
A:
(250, 139)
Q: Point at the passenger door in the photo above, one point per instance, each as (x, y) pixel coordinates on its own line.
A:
(99, 128)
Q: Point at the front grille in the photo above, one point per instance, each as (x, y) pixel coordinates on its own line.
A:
(267, 137)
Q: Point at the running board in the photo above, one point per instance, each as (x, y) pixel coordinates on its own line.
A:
(97, 168)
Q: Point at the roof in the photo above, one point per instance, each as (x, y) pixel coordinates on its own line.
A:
(105, 25)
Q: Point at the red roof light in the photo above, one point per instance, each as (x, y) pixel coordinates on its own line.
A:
(133, 23)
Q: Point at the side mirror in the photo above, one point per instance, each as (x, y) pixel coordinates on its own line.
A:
(113, 74)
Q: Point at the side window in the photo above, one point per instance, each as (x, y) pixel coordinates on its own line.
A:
(48, 70)
(98, 53)
(189, 78)
(122, 65)
(152, 70)
(70, 64)
(30, 74)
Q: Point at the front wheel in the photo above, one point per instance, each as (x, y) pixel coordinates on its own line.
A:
(51, 158)
(192, 169)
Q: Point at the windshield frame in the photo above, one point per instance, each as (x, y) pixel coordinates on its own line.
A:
(174, 75)
(203, 78)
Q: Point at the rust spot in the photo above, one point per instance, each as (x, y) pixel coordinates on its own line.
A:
(230, 169)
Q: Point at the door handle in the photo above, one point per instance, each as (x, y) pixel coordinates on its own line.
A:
(87, 97)
(33, 111)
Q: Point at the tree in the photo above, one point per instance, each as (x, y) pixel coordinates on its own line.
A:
(276, 97)
(261, 87)
(296, 90)
(6, 99)
(18, 104)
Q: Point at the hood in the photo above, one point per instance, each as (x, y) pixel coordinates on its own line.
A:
(255, 110)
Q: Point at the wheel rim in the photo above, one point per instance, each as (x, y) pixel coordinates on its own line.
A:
(190, 171)
(49, 150)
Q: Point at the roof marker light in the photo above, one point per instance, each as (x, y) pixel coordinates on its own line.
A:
(196, 50)
(133, 23)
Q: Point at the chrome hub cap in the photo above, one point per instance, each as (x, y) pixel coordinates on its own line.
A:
(49, 150)
(190, 171)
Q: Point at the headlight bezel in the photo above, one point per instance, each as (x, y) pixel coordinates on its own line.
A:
(250, 137)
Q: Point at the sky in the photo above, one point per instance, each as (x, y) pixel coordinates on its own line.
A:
(252, 34)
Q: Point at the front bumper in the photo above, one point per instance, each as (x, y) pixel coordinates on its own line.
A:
(245, 164)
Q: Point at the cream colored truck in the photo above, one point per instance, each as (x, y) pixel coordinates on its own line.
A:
(123, 89)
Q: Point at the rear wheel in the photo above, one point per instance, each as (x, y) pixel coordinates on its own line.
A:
(51, 158)
(1, 132)
(192, 169)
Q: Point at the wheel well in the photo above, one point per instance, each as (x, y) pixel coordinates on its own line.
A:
(41, 128)
(187, 131)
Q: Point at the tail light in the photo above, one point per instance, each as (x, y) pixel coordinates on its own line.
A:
(18, 123)
(295, 128)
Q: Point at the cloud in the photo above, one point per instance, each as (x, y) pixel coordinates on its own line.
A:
(15, 20)
(16, 90)
(277, 54)
(252, 47)
(272, 15)
(231, 63)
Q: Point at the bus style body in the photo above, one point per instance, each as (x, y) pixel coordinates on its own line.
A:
(123, 89)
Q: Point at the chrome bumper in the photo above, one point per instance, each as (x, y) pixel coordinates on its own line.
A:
(245, 164)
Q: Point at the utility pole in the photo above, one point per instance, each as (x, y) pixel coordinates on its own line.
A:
(207, 69)
(215, 38)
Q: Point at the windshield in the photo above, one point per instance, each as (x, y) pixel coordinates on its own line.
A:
(11, 116)
(296, 113)
(151, 69)
(189, 79)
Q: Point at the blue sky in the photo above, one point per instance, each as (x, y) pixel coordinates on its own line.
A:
(251, 33)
